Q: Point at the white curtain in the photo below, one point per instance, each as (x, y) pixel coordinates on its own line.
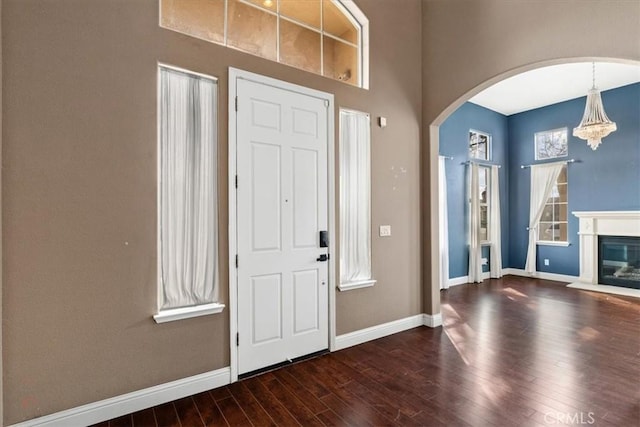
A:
(543, 178)
(188, 190)
(355, 191)
(444, 224)
(475, 250)
(495, 235)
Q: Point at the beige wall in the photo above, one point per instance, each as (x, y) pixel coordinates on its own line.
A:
(79, 195)
(467, 43)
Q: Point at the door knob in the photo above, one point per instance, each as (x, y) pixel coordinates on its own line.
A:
(322, 258)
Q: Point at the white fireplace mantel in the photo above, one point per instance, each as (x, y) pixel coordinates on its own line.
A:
(607, 223)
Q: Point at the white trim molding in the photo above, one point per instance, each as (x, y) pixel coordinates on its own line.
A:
(107, 409)
(540, 275)
(187, 312)
(356, 285)
(374, 332)
(608, 289)
(463, 280)
(432, 320)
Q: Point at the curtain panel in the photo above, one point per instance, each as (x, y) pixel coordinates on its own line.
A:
(495, 225)
(543, 178)
(355, 197)
(188, 190)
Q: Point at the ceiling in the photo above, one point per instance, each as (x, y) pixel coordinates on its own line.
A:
(550, 85)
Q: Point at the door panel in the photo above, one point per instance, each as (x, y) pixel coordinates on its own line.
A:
(265, 197)
(305, 198)
(306, 290)
(266, 298)
(282, 196)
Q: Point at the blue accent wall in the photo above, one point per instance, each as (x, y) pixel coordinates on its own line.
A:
(454, 142)
(605, 179)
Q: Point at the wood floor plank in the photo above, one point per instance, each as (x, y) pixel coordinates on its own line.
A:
(331, 419)
(513, 351)
(232, 412)
(188, 412)
(270, 403)
(252, 408)
(220, 393)
(300, 412)
(314, 404)
(144, 418)
(209, 411)
(124, 421)
(166, 415)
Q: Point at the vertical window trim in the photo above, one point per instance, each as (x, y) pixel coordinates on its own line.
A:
(369, 281)
(168, 315)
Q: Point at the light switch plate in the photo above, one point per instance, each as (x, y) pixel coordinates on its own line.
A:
(385, 230)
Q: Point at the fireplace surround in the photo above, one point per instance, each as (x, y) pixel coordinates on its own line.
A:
(594, 225)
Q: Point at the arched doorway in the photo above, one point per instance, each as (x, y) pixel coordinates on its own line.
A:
(434, 149)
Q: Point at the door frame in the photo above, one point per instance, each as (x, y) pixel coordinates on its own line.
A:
(234, 75)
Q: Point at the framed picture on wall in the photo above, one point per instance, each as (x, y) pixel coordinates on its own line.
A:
(551, 144)
(479, 145)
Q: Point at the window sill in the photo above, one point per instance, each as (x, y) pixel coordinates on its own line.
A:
(485, 243)
(187, 312)
(356, 285)
(552, 243)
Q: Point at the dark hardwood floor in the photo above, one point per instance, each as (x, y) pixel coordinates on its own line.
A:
(512, 352)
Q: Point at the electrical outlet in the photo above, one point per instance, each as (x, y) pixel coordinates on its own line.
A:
(385, 230)
(546, 261)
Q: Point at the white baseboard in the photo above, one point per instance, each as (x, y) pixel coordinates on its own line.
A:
(541, 275)
(615, 290)
(432, 320)
(463, 280)
(457, 281)
(103, 410)
(378, 331)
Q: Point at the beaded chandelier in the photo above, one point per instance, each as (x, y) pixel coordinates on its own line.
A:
(595, 124)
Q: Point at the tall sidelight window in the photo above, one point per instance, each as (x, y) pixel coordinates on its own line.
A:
(326, 37)
(187, 223)
(355, 200)
(553, 223)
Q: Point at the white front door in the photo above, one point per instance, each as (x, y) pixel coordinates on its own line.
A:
(282, 282)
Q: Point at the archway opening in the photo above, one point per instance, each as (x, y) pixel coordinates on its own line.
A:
(435, 151)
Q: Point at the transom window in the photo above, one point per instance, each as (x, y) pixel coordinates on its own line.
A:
(479, 145)
(326, 37)
(553, 223)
